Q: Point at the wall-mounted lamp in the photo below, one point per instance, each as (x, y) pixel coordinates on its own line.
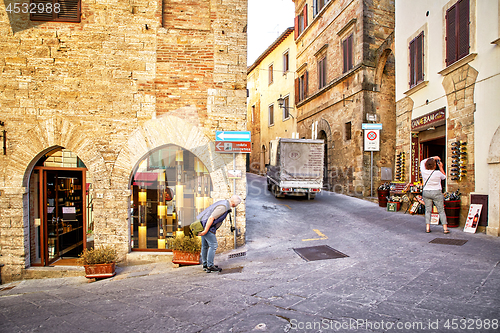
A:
(281, 103)
(4, 138)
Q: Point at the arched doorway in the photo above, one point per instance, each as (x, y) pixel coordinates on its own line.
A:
(170, 187)
(60, 210)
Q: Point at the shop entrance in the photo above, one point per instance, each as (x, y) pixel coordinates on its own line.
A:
(58, 214)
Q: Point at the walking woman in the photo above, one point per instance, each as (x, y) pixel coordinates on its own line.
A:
(432, 191)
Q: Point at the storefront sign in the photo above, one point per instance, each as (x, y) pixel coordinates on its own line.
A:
(415, 156)
(429, 119)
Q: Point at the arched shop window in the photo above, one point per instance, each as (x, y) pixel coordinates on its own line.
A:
(170, 187)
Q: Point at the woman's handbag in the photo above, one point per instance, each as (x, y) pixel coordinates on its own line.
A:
(196, 227)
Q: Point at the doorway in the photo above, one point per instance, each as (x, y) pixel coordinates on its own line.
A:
(58, 212)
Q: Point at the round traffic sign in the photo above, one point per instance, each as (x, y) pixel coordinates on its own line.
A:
(371, 135)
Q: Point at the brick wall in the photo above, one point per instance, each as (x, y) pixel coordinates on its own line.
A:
(110, 89)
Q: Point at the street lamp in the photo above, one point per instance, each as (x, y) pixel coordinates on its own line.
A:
(281, 103)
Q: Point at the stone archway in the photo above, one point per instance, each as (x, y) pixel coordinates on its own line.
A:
(494, 186)
(39, 139)
(114, 226)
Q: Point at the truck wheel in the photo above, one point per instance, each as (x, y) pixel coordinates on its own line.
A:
(276, 192)
(269, 188)
(310, 196)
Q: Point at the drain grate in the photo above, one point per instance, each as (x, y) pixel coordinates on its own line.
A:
(320, 252)
(231, 270)
(448, 241)
(236, 255)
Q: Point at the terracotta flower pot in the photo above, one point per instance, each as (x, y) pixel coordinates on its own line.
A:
(185, 258)
(99, 271)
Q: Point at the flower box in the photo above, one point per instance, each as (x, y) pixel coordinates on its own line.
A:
(100, 271)
(185, 258)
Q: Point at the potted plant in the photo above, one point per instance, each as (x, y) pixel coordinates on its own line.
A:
(186, 249)
(99, 262)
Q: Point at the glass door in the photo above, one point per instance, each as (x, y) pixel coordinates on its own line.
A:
(64, 212)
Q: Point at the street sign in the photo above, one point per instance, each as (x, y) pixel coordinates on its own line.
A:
(233, 147)
(372, 140)
(367, 126)
(232, 136)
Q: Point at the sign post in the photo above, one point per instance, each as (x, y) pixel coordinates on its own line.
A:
(233, 142)
(371, 144)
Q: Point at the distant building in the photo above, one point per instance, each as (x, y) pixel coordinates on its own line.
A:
(447, 84)
(270, 78)
(344, 78)
(110, 114)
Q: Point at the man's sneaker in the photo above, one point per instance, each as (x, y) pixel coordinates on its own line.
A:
(205, 267)
(213, 269)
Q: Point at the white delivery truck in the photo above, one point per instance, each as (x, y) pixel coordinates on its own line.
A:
(295, 167)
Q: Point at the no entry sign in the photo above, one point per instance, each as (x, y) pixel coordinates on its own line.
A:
(372, 139)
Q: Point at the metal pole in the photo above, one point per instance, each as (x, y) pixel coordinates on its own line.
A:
(234, 192)
(371, 173)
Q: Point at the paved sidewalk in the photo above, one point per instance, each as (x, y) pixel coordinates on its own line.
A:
(393, 280)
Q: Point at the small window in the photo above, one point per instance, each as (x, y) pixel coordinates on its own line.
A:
(347, 51)
(253, 113)
(322, 73)
(417, 60)
(348, 133)
(301, 22)
(271, 115)
(271, 78)
(457, 31)
(55, 10)
(319, 5)
(301, 87)
(286, 63)
(286, 105)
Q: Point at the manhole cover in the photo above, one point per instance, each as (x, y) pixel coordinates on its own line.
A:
(231, 270)
(320, 252)
(448, 241)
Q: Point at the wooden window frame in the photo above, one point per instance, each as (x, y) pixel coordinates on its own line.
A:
(416, 49)
(286, 105)
(286, 62)
(271, 115)
(301, 87)
(348, 53)
(271, 73)
(72, 9)
(300, 22)
(457, 31)
(322, 73)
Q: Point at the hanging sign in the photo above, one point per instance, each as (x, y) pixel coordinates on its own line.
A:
(372, 139)
(434, 118)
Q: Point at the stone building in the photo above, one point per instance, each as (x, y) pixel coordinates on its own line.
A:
(344, 78)
(447, 83)
(108, 114)
(270, 78)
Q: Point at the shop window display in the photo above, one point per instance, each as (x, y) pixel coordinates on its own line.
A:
(170, 187)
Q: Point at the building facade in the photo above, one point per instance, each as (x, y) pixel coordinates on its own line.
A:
(447, 78)
(108, 115)
(271, 98)
(344, 78)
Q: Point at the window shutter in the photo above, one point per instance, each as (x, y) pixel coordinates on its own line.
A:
(349, 52)
(463, 29)
(412, 62)
(297, 91)
(344, 54)
(43, 15)
(451, 37)
(420, 58)
(296, 32)
(305, 15)
(306, 84)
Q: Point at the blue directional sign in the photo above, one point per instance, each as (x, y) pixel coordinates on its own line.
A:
(235, 136)
(370, 126)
